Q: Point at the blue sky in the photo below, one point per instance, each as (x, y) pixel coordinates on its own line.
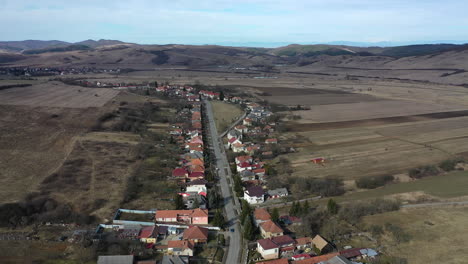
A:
(236, 21)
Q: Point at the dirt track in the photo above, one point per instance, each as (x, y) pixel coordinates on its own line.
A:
(295, 127)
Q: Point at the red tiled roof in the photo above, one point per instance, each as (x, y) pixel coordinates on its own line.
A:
(183, 244)
(267, 244)
(283, 240)
(276, 261)
(351, 253)
(261, 214)
(179, 172)
(271, 227)
(195, 232)
(317, 259)
(146, 232)
(196, 174)
(303, 241)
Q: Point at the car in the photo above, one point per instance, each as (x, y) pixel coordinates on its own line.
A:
(232, 230)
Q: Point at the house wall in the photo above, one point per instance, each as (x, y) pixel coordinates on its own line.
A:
(268, 254)
(200, 220)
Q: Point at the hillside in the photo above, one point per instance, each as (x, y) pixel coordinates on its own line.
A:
(441, 63)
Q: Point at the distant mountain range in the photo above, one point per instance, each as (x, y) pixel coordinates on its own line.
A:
(26, 45)
(447, 62)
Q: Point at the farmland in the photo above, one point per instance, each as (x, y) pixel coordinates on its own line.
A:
(375, 150)
(56, 94)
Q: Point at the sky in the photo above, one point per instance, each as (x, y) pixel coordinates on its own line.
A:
(236, 21)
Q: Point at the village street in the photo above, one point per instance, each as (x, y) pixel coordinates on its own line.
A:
(230, 207)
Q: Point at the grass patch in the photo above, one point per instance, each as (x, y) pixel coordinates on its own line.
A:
(444, 186)
(428, 229)
(225, 114)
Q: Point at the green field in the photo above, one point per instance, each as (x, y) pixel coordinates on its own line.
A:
(451, 185)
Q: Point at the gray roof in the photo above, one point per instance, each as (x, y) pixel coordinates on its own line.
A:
(124, 259)
(337, 260)
(279, 191)
(175, 259)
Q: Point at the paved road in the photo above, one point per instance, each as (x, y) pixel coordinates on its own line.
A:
(230, 206)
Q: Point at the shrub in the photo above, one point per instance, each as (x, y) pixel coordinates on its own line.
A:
(449, 165)
(423, 171)
(373, 182)
(353, 212)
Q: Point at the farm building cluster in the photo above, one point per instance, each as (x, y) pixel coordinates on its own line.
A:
(278, 245)
(252, 141)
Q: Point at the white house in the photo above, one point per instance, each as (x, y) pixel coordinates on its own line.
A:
(254, 195)
(197, 186)
(267, 249)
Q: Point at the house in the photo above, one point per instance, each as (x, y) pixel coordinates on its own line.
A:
(261, 215)
(240, 167)
(237, 147)
(247, 122)
(199, 235)
(247, 175)
(301, 256)
(197, 168)
(233, 140)
(270, 229)
(319, 259)
(285, 243)
(198, 186)
(177, 259)
(242, 159)
(303, 242)
(351, 253)
(254, 195)
(277, 193)
(196, 176)
(271, 141)
(241, 129)
(276, 261)
(267, 249)
(290, 220)
(123, 259)
(180, 173)
(259, 172)
(234, 134)
(322, 244)
(180, 247)
(338, 260)
(148, 234)
(195, 216)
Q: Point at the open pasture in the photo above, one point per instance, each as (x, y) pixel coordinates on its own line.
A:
(429, 229)
(56, 94)
(375, 150)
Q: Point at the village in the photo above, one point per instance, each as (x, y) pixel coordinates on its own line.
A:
(198, 227)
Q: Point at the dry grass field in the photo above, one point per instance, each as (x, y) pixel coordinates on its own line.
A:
(369, 110)
(34, 143)
(94, 176)
(225, 114)
(436, 234)
(56, 94)
(375, 150)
